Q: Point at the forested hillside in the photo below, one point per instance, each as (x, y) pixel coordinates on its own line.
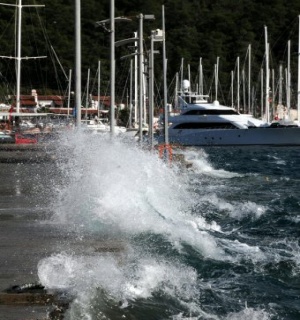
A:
(194, 29)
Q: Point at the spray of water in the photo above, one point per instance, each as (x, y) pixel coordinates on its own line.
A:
(117, 186)
(114, 187)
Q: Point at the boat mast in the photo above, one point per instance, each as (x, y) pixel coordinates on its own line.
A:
(99, 80)
(216, 77)
(19, 44)
(69, 90)
(273, 93)
(19, 56)
(176, 91)
(262, 93)
(288, 102)
(280, 87)
(238, 84)
(267, 77)
(200, 77)
(189, 78)
(232, 102)
(87, 93)
(181, 76)
(249, 79)
(298, 96)
(286, 92)
(244, 90)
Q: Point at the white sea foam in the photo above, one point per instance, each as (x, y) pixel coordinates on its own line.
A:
(277, 160)
(202, 165)
(113, 186)
(122, 188)
(249, 314)
(241, 251)
(119, 187)
(238, 210)
(248, 208)
(125, 282)
(245, 314)
(137, 278)
(285, 250)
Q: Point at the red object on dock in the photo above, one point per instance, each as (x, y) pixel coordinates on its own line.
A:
(25, 139)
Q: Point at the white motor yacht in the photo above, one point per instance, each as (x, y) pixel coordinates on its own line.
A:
(201, 123)
(96, 125)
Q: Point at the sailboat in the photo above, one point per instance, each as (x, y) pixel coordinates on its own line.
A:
(17, 114)
(19, 58)
(18, 138)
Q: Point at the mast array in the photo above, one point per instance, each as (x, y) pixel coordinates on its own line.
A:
(19, 57)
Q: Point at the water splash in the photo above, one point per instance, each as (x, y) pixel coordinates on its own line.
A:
(201, 165)
(249, 314)
(114, 188)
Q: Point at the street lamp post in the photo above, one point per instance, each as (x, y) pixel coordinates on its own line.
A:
(156, 35)
(165, 79)
(112, 67)
(141, 53)
(151, 91)
(78, 62)
(111, 30)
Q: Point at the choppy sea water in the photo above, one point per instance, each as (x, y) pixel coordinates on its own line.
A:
(215, 240)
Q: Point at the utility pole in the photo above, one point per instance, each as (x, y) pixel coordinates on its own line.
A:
(78, 62)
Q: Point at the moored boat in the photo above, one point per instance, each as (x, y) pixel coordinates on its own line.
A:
(96, 125)
(17, 138)
(203, 123)
(25, 138)
(6, 137)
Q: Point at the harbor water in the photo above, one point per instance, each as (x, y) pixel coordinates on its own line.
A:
(128, 236)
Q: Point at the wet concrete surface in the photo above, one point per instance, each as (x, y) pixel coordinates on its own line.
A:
(23, 242)
(26, 153)
(25, 239)
(27, 236)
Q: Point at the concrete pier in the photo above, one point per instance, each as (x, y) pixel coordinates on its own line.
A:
(27, 236)
(24, 241)
(15, 153)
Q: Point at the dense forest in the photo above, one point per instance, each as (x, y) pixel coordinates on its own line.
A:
(207, 29)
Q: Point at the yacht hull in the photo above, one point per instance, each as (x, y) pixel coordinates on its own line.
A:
(284, 136)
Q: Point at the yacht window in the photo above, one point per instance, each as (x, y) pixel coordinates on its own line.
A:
(209, 112)
(207, 125)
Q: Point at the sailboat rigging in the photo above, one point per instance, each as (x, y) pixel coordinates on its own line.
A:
(19, 57)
